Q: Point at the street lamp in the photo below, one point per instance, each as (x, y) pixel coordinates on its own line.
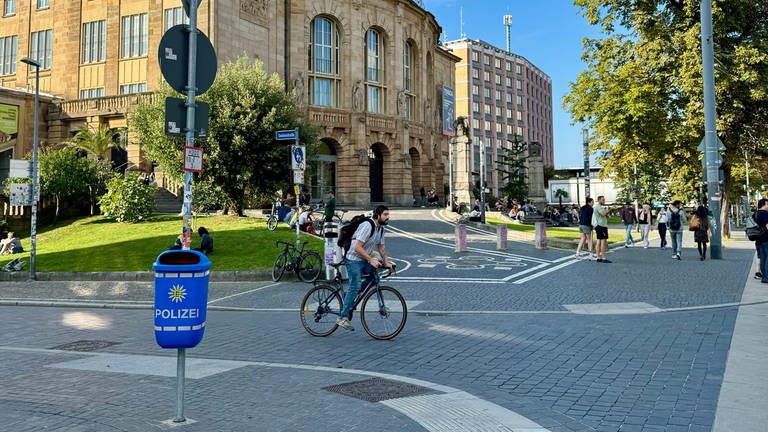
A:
(585, 141)
(35, 171)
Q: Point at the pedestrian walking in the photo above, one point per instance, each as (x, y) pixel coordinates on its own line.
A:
(629, 218)
(677, 219)
(585, 228)
(600, 222)
(701, 230)
(761, 219)
(661, 225)
(644, 222)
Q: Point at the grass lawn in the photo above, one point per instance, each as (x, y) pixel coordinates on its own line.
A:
(98, 244)
(564, 233)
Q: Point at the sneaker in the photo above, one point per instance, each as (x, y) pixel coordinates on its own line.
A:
(674, 256)
(758, 275)
(593, 257)
(607, 261)
(678, 257)
(599, 260)
(345, 324)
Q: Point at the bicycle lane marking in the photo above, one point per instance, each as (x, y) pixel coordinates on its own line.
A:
(450, 410)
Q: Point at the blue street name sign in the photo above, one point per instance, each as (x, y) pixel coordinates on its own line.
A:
(285, 135)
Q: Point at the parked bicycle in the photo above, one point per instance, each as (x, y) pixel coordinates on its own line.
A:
(306, 264)
(383, 311)
(318, 225)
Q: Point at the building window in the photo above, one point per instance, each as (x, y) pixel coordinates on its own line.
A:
(476, 123)
(9, 47)
(519, 85)
(134, 36)
(323, 63)
(509, 82)
(9, 7)
(91, 93)
(497, 63)
(498, 111)
(509, 66)
(486, 76)
(133, 88)
(42, 4)
(475, 73)
(519, 131)
(519, 100)
(487, 92)
(475, 90)
(509, 114)
(40, 47)
(94, 41)
(374, 67)
(498, 95)
(175, 16)
(408, 78)
(487, 109)
(498, 79)
(518, 69)
(486, 59)
(487, 127)
(475, 107)
(474, 55)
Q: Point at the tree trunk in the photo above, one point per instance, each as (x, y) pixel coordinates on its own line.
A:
(56, 214)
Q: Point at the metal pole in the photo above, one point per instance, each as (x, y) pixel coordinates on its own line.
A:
(451, 143)
(710, 127)
(180, 367)
(296, 189)
(35, 182)
(482, 181)
(746, 169)
(585, 139)
(186, 229)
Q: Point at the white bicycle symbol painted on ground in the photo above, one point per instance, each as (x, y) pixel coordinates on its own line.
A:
(471, 262)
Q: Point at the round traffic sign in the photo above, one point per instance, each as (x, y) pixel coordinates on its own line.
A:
(173, 54)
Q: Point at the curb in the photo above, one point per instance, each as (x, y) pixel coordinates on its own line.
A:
(216, 276)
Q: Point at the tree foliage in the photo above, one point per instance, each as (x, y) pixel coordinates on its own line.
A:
(241, 156)
(511, 169)
(65, 175)
(96, 141)
(642, 91)
(128, 199)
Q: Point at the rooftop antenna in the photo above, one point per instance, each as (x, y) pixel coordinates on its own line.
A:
(462, 35)
(508, 24)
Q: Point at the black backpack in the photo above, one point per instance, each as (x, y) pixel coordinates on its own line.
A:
(348, 231)
(674, 220)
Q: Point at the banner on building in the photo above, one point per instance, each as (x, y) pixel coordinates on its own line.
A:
(449, 111)
(9, 122)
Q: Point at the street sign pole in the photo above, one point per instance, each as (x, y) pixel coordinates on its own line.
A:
(296, 186)
(711, 152)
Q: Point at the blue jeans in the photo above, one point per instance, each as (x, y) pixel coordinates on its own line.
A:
(677, 241)
(762, 253)
(355, 271)
(629, 240)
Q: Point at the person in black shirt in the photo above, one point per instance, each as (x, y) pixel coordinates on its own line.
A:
(761, 218)
(585, 228)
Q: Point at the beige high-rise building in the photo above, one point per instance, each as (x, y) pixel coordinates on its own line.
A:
(502, 95)
(371, 74)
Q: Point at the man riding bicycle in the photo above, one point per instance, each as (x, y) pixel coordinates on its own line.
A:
(369, 235)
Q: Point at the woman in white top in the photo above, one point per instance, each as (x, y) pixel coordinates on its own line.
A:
(661, 221)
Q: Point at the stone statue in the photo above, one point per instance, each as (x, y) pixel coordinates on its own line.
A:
(357, 96)
(298, 86)
(401, 102)
(427, 112)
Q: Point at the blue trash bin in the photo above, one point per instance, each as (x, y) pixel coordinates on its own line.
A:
(181, 297)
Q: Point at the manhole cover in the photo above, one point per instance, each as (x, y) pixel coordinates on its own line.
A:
(85, 345)
(378, 389)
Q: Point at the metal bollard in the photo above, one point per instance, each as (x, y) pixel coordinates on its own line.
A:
(461, 238)
(541, 235)
(501, 237)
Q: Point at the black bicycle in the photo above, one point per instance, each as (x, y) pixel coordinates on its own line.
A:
(383, 311)
(318, 225)
(306, 264)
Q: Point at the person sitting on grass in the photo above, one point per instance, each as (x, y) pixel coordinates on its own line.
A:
(177, 244)
(10, 245)
(206, 242)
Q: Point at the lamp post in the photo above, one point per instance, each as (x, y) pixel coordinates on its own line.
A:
(585, 141)
(35, 173)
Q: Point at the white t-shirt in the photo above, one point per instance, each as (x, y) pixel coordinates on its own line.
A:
(303, 217)
(363, 233)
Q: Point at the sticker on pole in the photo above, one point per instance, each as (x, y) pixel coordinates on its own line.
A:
(298, 158)
(298, 177)
(193, 159)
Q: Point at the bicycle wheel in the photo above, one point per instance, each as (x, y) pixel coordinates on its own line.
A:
(272, 222)
(279, 268)
(309, 266)
(320, 309)
(317, 226)
(384, 318)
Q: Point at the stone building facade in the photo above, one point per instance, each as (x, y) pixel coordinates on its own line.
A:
(370, 74)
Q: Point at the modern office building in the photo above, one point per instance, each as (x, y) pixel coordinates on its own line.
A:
(371, 74)
(502, 95)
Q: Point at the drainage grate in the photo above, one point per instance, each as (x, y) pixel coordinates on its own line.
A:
(378, 389)
(85, 345)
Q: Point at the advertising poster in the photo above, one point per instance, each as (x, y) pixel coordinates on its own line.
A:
(9, 122)
(449, 111)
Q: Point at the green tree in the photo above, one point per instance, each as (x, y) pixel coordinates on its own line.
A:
(642, 92)
(511, 168)
(128, 199)
(560, 194)
(96, 141)
(241, 156)
(65, 175)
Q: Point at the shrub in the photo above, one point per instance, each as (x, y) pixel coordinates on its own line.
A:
(128, 199)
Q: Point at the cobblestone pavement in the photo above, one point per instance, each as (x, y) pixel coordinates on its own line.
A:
(543, 344)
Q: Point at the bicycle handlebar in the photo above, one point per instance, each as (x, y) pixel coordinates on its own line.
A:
(389, 272)
(279, 242)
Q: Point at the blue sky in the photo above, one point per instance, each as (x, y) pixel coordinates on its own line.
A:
(546, 32)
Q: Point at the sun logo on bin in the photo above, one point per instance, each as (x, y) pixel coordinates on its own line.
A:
(177, 293)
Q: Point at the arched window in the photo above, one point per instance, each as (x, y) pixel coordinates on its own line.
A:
(374, 77)
(409, 79)
(323, 58)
